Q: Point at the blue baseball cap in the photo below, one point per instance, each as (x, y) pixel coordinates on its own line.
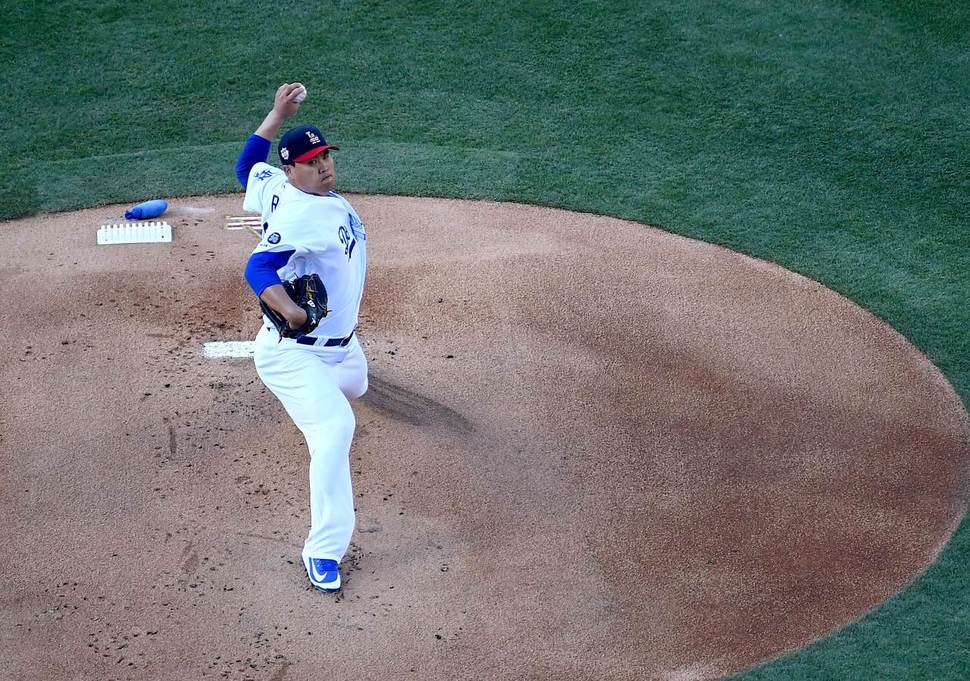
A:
(299, 145)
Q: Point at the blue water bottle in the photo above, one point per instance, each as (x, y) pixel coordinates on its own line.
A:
(147, 210)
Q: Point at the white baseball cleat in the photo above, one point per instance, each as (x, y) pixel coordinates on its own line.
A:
(324, 574)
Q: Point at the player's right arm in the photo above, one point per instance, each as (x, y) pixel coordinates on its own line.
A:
(257, 146)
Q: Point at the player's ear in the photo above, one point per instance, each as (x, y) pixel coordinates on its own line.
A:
(287, 169)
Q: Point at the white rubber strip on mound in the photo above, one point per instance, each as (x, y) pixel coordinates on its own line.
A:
(134, 233)
(228, 349)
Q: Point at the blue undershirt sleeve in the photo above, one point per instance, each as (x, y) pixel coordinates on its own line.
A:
(255, 151)
(261, 269)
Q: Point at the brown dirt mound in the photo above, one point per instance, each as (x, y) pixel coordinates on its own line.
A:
(590, 450)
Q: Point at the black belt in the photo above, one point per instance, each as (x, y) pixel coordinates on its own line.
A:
(325, 342)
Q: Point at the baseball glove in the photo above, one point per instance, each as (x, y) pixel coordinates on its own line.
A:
(309, 293)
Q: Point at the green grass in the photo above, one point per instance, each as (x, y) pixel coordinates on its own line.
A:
(831, 137)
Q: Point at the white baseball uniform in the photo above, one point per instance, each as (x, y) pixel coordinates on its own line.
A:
(321, 235)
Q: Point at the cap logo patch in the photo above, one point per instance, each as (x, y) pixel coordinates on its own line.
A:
(313, 137)
(285, 153)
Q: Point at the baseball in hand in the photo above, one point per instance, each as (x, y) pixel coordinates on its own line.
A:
(300, 94)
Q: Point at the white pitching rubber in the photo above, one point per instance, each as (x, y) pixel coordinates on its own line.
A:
(228, 349)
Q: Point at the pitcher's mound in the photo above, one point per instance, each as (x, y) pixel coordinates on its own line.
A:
(591, 450)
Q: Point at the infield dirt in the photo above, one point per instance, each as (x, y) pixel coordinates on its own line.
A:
(590, 450)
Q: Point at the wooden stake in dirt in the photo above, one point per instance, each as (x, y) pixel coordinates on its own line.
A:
(251, 223)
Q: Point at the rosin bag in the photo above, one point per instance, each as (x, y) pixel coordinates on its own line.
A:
(147, 210)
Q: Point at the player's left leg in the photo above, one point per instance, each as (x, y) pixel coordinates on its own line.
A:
(352, 371)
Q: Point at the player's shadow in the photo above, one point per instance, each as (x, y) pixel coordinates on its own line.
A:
(411, 408)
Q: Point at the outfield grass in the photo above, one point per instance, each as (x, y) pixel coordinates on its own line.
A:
(831, 138)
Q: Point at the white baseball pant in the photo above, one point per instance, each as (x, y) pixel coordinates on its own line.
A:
(314, 383)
